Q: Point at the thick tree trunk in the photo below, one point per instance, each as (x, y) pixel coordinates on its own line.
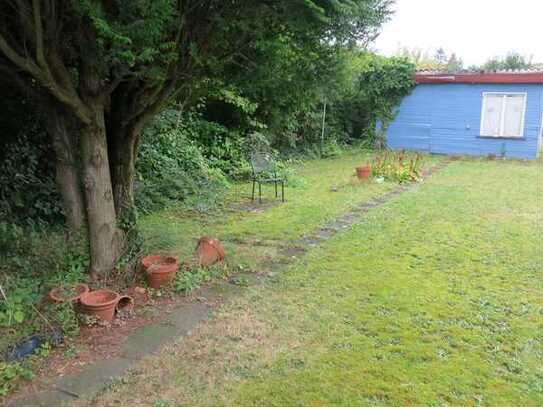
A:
(104, 236)
(67, 171)
(123, 154)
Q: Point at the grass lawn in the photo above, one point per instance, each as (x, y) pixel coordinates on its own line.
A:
(320, 191)
(434, 299)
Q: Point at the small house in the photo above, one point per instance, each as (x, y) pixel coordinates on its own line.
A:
(472, 114)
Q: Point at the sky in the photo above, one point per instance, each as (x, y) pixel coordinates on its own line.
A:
(475, 30)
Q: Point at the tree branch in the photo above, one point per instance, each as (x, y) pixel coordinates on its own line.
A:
(38, 29)
(24, 16)
(67, 98)
(21, 62)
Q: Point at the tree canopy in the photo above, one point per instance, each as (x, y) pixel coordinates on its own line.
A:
(512, 61)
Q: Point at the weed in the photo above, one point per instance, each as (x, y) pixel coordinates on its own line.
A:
(188, 280)
(35, 261)
(9, 373)
(241, 281)
(397, 166)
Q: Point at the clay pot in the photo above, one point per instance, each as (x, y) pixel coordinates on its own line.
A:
(100, 303)
(55, 295)
(125, 303)
(209, 251)
(159, 270)
(364, 172)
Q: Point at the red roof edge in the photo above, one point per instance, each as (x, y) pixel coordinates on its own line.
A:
(499, 77)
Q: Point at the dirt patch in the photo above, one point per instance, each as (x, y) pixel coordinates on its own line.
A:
(213, 349)
(101, 342)
(292, 251)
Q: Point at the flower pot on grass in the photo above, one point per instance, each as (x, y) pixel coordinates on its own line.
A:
(209, 251)
(159, 270)
(363, 172)
(68, 294)
(100, 304)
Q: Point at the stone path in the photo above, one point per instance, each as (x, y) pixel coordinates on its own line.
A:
(151, 338)
(349, 218)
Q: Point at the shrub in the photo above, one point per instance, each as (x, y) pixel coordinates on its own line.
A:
(28, 190)
(171, 166)
(224, 149)
(329, 149)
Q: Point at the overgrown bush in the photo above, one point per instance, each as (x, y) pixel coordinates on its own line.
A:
(329, 149)
(171, 167)
(397, 166)
(28, 190)
(225, 149)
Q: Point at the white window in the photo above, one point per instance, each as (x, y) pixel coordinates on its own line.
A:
(503, 114)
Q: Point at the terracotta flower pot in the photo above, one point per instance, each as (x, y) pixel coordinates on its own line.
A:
(363, 172)
(100, 303)
(58, 294)
(209, 251)
(125, 303)
(159, 270)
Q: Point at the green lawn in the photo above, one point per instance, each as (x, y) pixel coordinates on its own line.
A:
(311, 202)
(434, 299)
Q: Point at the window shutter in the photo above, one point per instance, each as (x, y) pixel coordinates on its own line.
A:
(492, 115)
(514, 110)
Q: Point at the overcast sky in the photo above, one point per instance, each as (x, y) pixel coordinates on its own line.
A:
(475, 30)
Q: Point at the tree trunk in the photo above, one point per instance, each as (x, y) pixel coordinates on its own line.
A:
(104, 236)
(67, 171)
(123, 153)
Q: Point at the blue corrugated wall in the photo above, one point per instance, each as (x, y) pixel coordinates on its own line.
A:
(446, 119)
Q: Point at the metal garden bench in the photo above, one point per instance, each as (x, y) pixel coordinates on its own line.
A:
(265, 172)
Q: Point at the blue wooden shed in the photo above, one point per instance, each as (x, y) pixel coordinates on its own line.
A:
(472, 114)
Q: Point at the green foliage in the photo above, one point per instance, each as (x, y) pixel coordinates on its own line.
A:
(171, 166)
(28, 190)
(34, 261)
(281, 58)
(190, 279)
(397, 166)
(369, 87)
(383, 82)
(138, 37)
(329, 149)
(241, 281)
(224, 150)
(512, 61)
(9, 373)
(439, 61)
